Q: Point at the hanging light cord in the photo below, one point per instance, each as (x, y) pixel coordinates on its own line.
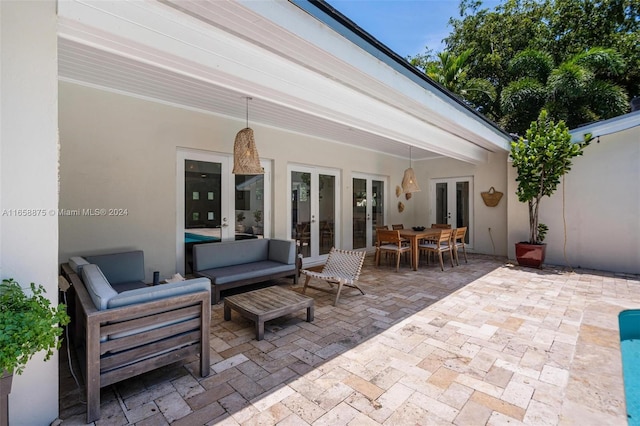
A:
(248, 98)
(410, 158)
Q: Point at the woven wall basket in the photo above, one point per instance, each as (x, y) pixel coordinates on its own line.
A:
(491, 197)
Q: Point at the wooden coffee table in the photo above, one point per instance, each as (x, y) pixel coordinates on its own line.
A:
(267, 304)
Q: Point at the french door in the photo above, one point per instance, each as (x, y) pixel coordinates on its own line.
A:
(369, 209)
(214, 205)
(313, 211)
(452, 201)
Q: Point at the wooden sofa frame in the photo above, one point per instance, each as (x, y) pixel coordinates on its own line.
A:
(104, 361)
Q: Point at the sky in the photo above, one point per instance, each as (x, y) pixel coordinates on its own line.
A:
(405, 26)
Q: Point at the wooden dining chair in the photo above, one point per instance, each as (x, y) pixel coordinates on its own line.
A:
(441, 225)
(389, 241)
(399, 226)
(440, 245)
(457, 241)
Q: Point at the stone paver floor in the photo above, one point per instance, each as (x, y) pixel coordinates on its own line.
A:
(485, 343)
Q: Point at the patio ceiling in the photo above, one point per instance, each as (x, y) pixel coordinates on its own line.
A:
(303, 76)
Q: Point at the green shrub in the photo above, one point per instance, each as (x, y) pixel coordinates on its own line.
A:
(28, 325)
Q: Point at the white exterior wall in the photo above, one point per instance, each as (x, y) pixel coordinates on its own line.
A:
(484, 176)
(601, 208)
(120, 152)
(29, 180)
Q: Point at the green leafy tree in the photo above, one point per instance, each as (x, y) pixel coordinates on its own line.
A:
(579, 90)
(450, 71)
(561, 30)
(579, 25)
(495, 38)
(541, 158)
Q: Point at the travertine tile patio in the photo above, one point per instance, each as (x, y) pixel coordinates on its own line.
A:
(485, 343)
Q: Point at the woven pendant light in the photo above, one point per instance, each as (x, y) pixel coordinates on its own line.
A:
(409, 181)
(246, 160)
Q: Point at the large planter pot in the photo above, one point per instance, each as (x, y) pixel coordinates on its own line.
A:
(531, 255)
(5, 390)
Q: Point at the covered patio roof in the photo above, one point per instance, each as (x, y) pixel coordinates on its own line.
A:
(308, 69)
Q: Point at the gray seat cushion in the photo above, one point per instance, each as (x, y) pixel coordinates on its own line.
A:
(247, 271)
(157, 292)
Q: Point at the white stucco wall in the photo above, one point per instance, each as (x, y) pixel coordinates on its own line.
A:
(484, 176)
(29, 180)
(601, 208)
(120, 152)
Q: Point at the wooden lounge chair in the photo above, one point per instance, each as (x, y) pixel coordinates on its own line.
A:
(343, 268)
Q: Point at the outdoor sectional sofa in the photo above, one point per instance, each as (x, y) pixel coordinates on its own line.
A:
(129, 328)
(231, 264)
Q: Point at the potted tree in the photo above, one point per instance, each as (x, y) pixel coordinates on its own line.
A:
(239, 218)
(28, 324)
(257, 216)
(541, 158)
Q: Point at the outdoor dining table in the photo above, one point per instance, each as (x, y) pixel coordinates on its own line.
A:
(414, 237)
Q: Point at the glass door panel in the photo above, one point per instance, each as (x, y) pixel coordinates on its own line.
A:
(462, 212)
(202, 206)
(327, 212)
(442, 200)
(359, 235)
(249, 206)
(377, 209)
(203, 203)
(301, 211)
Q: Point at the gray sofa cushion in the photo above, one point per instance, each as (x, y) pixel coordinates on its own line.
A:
(77, 263)
(227, 274)
(157, 292)
(97, 285)
(227, 253)
(126, 267)
(282, 251)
